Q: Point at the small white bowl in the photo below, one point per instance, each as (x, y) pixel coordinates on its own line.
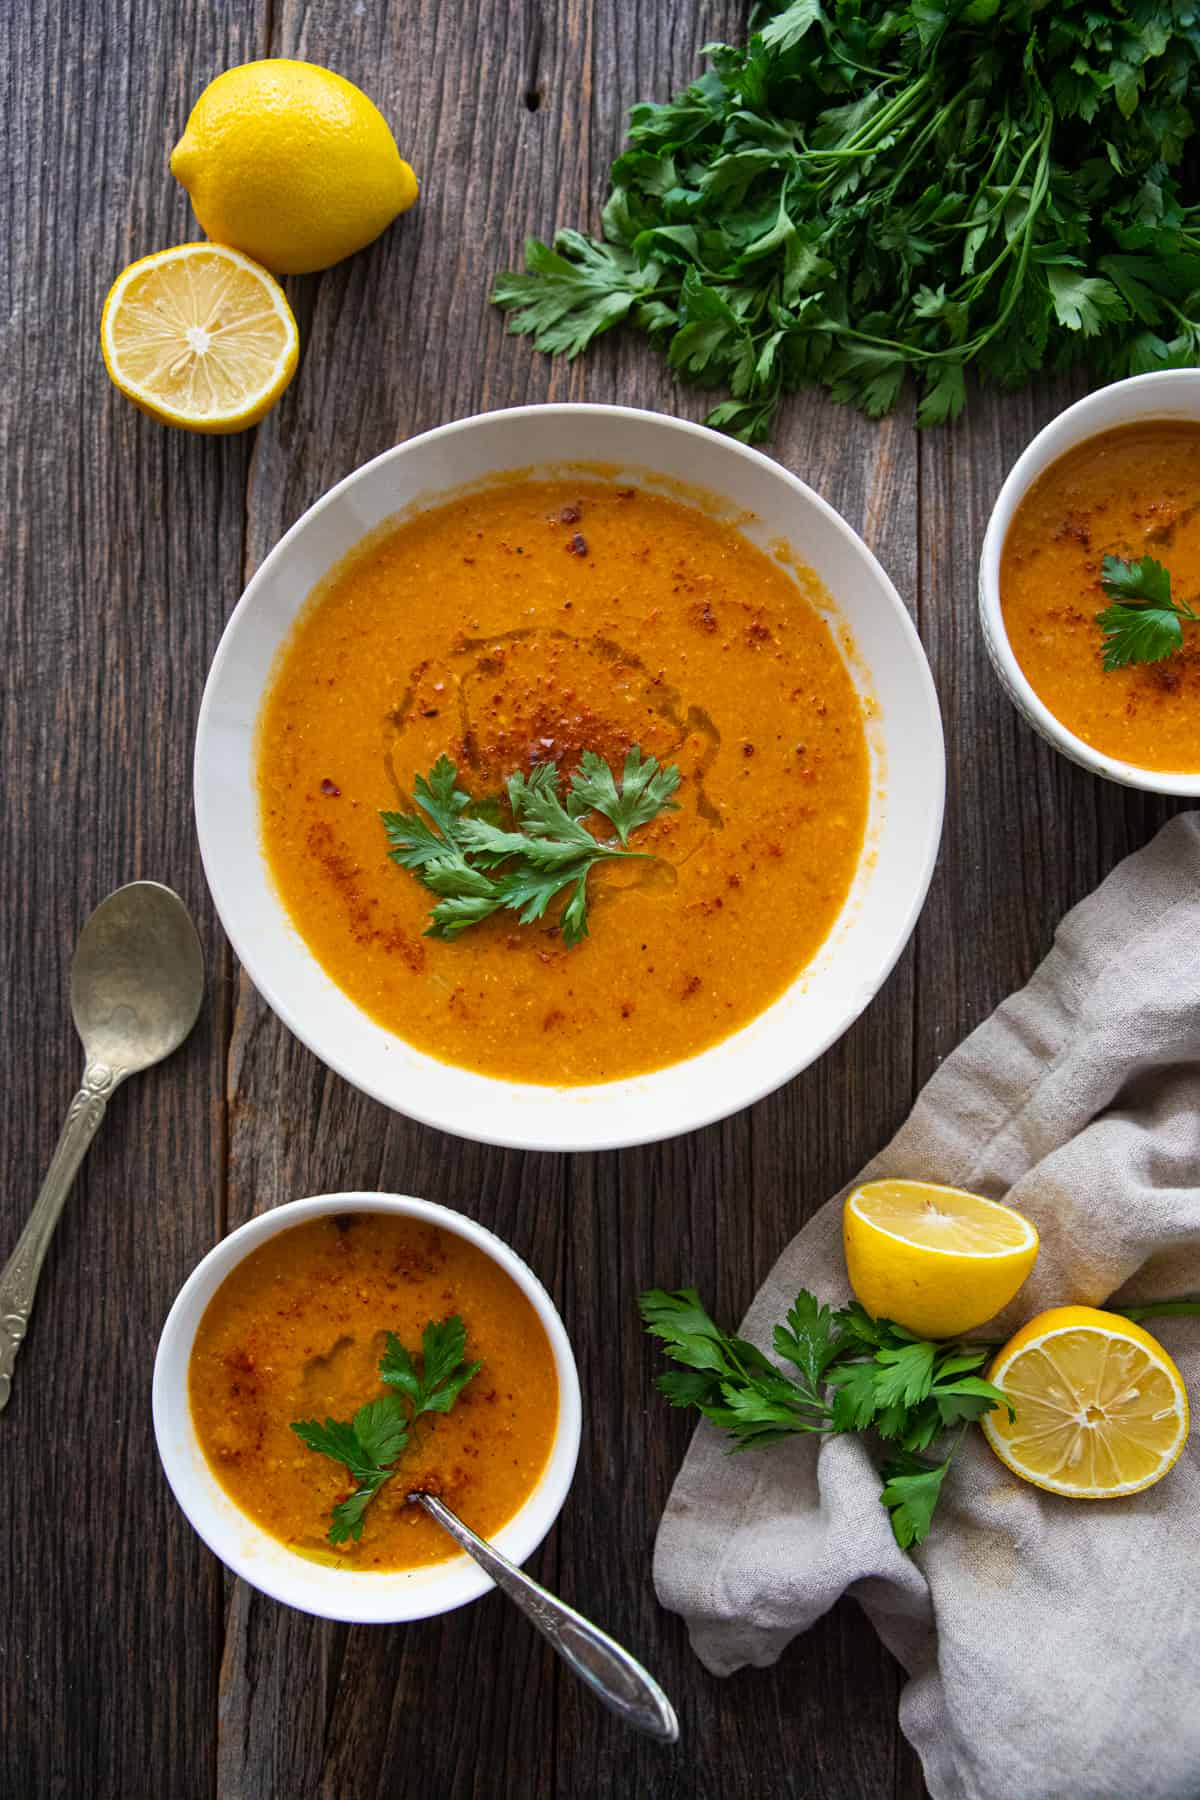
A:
(904, 824)
(383, 1597)
(1166, 394)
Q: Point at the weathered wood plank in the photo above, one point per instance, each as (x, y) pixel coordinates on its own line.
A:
(402, 329)
(123, 553)
(1007, 788)
(714, 1210)
(405, 330)
(128, 545)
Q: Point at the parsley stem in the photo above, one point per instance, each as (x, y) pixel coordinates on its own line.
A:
(1003, 141)
(931, 127)
(878, 125)
(1037, 195)
(1187, 1307)
(959, 353)
(957, 1444)
(980, 279)
(1159, 1309)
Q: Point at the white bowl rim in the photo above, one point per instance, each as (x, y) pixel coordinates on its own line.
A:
(1069, 428)
(772, 1078)
(389, 1596)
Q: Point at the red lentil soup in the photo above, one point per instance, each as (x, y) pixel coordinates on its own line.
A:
(1130, 493)
(296, 1331)
(530, 621)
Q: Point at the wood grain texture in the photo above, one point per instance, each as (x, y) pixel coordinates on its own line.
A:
(714, 1208)
(1006, 788)
(127, 1663)
(123, 549)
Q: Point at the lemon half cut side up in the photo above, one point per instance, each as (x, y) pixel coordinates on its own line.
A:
(1101, 1409)
(937, 1260)
(200, 337)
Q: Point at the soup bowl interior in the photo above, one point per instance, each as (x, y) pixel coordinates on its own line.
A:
(778, 513)
(1171, 394)
(379, 1597)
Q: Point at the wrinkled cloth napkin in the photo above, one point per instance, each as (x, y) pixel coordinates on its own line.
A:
(1052, 1646)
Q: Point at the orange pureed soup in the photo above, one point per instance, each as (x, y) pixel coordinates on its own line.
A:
(1130, 493)
(296, 1332)
(528, 622)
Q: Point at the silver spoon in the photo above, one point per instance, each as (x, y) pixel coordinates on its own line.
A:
(614, 1676)
(137, 980)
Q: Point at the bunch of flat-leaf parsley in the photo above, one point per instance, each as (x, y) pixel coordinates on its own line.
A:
(868, 189)
(845, 1372)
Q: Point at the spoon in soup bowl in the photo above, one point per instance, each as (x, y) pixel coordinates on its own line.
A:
(615, 1677)
(137, 981)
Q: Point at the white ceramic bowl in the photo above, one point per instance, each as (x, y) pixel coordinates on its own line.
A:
(904, 827)
(379, 1598)
(1166, 394)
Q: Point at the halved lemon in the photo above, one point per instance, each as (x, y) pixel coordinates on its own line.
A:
(199, 336)
(1101, 1408)
(935, 1259)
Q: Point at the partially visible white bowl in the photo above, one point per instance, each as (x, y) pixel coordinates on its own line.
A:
(382, 1597)
(1165, 394)
(907, 786)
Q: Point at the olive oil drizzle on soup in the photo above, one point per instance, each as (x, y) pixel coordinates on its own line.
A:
(525, 623)
(1129, 493)
(296, 1331)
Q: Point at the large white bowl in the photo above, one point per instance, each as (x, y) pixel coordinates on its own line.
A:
(907, 785)
(1165, 394)
(380, 1597)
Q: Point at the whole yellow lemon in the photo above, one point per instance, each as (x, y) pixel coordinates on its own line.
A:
(291, 164)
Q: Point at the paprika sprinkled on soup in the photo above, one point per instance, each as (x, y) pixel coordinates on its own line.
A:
(1130, 494)
(528, 623)
(298, 1330)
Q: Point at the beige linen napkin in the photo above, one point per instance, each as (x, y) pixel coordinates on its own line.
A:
(1053, 1646)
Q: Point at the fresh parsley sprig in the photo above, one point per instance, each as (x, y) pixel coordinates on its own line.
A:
(865, 192)
(444, 1370)
(1144, 624)
(848, 1372)
(477, 866)
(369, 1445)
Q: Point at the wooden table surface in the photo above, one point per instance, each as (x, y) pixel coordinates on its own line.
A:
(129, 1664)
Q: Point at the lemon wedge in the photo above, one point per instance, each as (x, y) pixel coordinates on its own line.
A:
(934, 1259)
(199, 336)
(1101, 1408)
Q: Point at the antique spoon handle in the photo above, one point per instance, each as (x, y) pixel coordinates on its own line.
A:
(19, 1277)
(614, 1676)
